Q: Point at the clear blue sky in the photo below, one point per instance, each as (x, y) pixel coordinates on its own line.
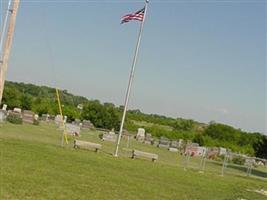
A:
(204, 60)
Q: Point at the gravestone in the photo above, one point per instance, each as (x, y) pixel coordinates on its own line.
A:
(125, 134)
(45, 117)
(140, 136)
(172, 149)
(28, 116)
(212, 152)
(51, 118)
(77, 122)
(194, 144)
(193, 149)
(59, 123)
(58, 119)
(222, 151)
(17, 110)
(156, 142)
(174, 144)
(110, 136)
(72, 129)
(4, 107)
(86, 124)
(164, 142)
(65, 119)
(148, 139)
(3, 114)
(201, 151)
(182, 146)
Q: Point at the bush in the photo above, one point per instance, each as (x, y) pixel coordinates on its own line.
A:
(239, 160)
(36, 122)
(101, 135)
(220, 158)
(14, 119)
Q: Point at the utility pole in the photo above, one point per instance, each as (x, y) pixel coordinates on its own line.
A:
(7, 45)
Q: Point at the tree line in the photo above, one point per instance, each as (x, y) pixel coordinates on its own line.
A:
(42, 100)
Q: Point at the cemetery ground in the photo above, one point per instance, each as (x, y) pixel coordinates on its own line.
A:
(35, 166)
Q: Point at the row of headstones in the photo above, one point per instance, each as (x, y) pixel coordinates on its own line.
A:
(249, 162)
(73, 128)
(212, 153)
(184, 147)
(112, 136)
(27, 116)
(163, 142)
(86, 124)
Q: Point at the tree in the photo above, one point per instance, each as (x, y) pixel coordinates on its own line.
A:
(44, 106)
(261, 148)
(101, 116)
(71, 112)
(26, 102)
(222, 132)
(199, 139)
(183, 125)
(11, 97)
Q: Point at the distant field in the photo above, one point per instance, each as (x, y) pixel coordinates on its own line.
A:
(34, 167)
(148, 124)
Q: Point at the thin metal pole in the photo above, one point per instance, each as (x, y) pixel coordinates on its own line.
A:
(202, 160)
(225, 161)
(128, 141)
(130, 81)
(223, 165)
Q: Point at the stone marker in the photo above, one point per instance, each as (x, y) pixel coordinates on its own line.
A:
(140, 136)
(3, 114)
(164, 142)
(86, 124)
(72, 129)
(28, 116)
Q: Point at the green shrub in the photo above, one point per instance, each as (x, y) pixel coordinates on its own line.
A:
(101, 135)
(36, 122)
(14, 119)
(219, 158)
(239, 160)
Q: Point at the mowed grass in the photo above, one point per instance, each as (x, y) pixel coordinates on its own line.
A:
(35, 166)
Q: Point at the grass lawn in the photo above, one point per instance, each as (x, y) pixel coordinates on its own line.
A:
(35, 166)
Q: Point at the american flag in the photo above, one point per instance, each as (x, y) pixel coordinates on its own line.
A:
(139, 15)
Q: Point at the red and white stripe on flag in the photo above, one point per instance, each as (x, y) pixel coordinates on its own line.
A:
(139, 15)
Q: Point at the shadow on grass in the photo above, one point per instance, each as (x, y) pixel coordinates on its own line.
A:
(107, 153)
(243, 169)
(254, 172)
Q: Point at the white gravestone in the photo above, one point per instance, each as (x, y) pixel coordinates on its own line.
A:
(140, 136)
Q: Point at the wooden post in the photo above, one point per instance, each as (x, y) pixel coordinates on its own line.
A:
(7, 46)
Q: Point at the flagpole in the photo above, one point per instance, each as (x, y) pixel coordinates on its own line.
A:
(131, 80)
